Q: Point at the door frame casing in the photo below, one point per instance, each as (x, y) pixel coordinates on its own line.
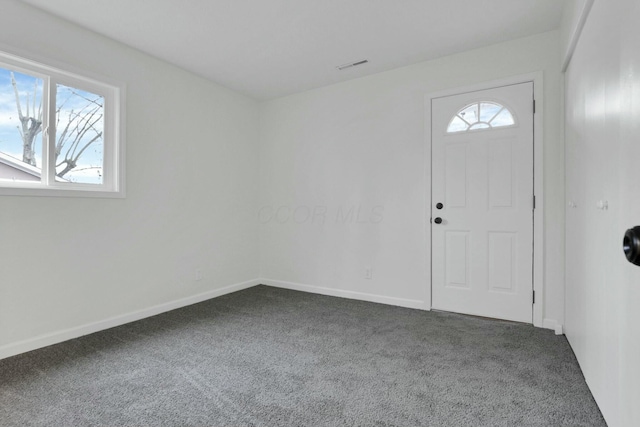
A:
(538, 181)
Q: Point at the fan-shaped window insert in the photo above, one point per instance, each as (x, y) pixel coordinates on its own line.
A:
(481, 115)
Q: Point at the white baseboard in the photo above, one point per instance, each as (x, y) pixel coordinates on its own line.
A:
(13, 349)
(41, 341)
(381, 299)
(553, 325)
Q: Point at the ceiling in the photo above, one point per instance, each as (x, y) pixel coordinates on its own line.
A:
(272, 48)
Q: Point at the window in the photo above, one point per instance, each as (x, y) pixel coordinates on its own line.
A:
(481, 115)
(59, 132)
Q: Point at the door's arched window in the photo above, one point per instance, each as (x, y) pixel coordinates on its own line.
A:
(481, 115)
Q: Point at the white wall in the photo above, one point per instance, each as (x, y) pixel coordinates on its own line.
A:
(191, 197)
(361, 144)
(602, 128)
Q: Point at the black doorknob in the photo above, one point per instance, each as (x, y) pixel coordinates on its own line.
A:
(631, 245)
(439, 206)
(438, 220)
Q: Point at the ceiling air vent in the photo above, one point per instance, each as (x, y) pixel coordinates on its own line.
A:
(351, 64)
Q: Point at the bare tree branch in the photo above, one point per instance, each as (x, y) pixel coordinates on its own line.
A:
(15, 91)
(30, 126)
(72, 140)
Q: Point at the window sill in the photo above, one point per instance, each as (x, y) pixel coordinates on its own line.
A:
(60, 192)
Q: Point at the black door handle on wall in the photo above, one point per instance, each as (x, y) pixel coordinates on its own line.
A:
(438, 220)
(631, 245)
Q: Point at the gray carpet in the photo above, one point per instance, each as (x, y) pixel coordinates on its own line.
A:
(273, 357)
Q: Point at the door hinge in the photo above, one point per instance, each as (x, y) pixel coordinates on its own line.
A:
(534, 201)
(534, 297)
(534, 106)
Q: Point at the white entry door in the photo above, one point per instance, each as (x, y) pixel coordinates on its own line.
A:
(482, 203)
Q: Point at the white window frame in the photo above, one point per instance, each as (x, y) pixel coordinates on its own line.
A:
(113, 132)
